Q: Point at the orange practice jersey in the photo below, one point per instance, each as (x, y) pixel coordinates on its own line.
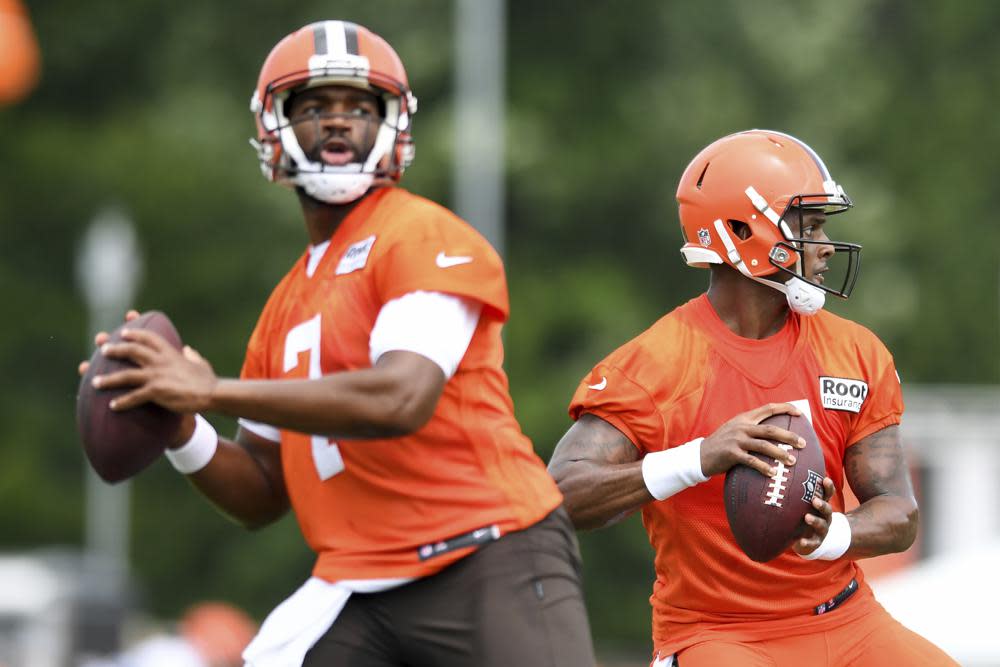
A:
(683, 378)
(368, 506)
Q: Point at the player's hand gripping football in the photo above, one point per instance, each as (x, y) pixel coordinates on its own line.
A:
(732, 442)
(818, 523)
(100, 339)
(179, 381)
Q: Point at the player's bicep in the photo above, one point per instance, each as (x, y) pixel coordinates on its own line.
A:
(876, 466)
(591, 440)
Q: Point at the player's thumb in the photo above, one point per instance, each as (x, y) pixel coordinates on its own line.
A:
(191, 355)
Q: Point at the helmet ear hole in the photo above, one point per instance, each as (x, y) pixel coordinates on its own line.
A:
(741, 230)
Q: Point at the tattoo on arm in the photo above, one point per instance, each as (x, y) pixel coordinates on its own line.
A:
(600, 442)
(876, 466)
(887, 518)
(596, 468)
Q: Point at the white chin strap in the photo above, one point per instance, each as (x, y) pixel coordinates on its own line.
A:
(803, 297)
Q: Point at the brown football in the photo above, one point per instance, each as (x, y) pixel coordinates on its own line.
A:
(121, 444)
(766, 514)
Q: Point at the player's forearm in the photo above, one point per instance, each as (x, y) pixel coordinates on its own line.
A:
(357, 404)
(599, 495)
(883, 525)
(238, 486)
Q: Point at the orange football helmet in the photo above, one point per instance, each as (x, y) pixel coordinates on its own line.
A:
(332, 53)
(760, 178)
(19, 55)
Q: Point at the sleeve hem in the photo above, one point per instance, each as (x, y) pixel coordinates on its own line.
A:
(261, 430)
(615, 421)
(874, 427)
(491, 307)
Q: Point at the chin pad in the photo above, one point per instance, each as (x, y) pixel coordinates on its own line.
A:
(804, 298)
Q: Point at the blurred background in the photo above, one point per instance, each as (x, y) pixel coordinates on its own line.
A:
(127, 181)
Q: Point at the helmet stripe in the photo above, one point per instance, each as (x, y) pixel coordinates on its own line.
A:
(335, 38)
(351, 38)
(319, 39)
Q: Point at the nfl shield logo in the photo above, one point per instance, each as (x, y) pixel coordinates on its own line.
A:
(704, 237)
(809, 487)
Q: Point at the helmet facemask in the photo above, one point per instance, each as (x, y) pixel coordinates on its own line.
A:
(840, 268)
(805, 294)
(338, 184)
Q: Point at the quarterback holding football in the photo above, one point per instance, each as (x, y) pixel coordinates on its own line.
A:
(372, 401)
(662, 419)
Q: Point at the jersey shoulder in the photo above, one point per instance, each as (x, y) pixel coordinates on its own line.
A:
(646, 378)
(424, 246)
(665, 352)
(404, 215)
(838, 334)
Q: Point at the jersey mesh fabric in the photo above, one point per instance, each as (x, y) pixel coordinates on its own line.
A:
(469, 466)
(683, 378)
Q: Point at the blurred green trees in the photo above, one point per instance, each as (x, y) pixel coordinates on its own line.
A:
(143, 105)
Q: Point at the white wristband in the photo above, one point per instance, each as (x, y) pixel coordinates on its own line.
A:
(673, 470)
(195, 454)
(837, 540)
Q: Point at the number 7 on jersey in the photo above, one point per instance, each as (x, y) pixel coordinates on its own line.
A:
(305, 337)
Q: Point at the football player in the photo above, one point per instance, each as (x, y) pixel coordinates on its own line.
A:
(372, 401)
(660, 421)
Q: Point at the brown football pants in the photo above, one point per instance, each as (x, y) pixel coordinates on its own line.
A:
(516, 602)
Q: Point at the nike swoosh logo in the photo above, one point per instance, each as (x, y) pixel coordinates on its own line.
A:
(445, 261)
(600, 385)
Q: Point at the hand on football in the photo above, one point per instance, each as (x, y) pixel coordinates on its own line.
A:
(818, 523)
(100, 339)
(732, 442)
(181, 381)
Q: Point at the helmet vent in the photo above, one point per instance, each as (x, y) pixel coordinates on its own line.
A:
(702, 177)
(741, 230)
